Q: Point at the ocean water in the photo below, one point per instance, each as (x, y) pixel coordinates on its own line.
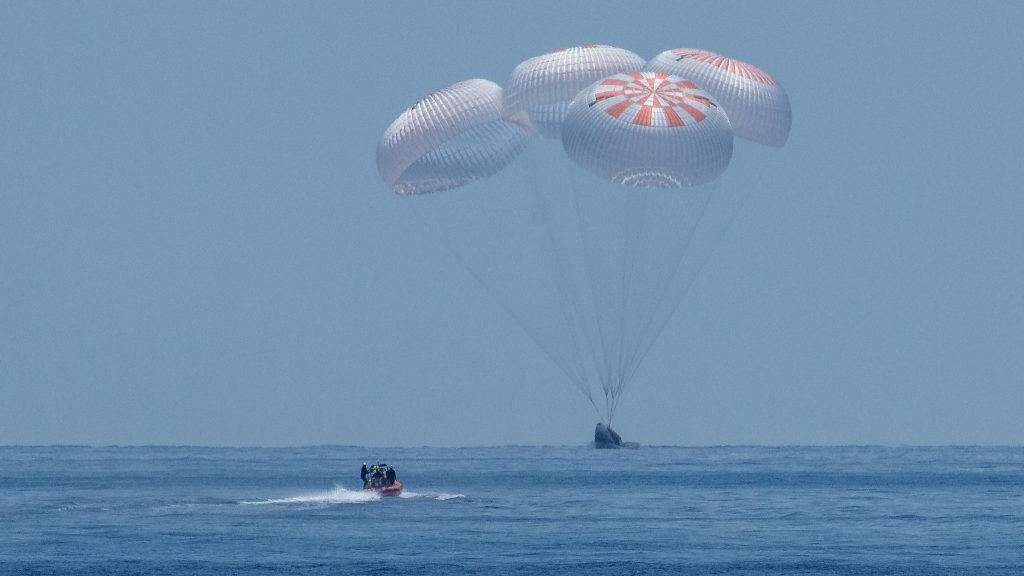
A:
(513, 510)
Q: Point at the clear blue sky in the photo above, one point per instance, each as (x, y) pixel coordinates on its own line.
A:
(195, 247)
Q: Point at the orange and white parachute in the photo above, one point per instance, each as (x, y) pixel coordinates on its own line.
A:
(648, 129)
(757, 105)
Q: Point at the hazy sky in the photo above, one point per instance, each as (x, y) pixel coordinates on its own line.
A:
(196, 248)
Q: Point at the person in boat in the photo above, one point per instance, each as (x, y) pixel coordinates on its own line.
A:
(376, 476)
(389, 476)
(363, 473)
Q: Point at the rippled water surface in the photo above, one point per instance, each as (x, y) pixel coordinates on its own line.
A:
(513, 510)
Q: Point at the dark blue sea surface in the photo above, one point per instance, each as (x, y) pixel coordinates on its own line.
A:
(513, 510)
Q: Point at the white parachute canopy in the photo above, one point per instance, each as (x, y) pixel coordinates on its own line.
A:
(542, 87)
(449, 138)
(755, 102)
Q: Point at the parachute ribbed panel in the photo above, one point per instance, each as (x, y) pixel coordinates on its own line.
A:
(543, 86)
(650, 130)
(449, 138)
(757, 106)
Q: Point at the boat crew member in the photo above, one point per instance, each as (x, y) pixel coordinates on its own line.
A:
(390, 476)
(363, 473)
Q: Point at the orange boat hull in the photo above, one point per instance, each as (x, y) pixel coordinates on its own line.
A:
(393, 490)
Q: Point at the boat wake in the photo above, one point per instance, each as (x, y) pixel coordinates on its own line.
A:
(442, 496)
(340, 495)
(337, 495)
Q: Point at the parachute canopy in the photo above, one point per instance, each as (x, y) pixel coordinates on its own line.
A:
(755, 102)
(449, 138)
(648, 129)
(542, 87)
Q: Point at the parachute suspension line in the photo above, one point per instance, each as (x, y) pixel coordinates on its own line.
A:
(643, 342)
(590, 398)
(608, 407)
(594, 344)
(744, 194)
(569, 308)
(634, 228)
(575, 378)
(588, 258)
